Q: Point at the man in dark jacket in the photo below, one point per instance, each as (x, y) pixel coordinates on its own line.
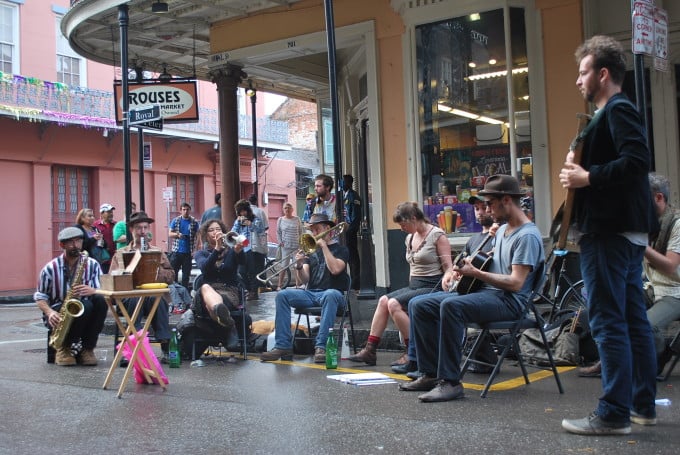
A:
(614, 213)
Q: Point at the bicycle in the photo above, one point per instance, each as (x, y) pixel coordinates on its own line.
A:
(573, 298)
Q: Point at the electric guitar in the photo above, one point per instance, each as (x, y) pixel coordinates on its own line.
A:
(481, 260)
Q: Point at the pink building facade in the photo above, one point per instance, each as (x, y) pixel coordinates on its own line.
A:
(60, 149)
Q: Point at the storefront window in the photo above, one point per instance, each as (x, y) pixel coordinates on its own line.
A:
(472, 125)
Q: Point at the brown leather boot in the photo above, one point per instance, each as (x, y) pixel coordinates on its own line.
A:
(366, 355)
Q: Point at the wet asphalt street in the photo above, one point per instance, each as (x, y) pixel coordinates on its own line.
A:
(249, 407)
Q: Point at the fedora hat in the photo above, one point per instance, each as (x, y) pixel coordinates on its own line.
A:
(139, 217)
(321, 218)
(501, 185)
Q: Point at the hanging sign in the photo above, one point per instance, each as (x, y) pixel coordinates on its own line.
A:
(643, 28)
(661, 39)
(178, 101)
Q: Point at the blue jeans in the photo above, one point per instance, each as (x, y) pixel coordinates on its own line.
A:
(329, 300)
(611, 267)
(438, 326)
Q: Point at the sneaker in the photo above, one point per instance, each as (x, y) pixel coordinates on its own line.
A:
(642, 420)
(406, 368)
(87, 358)
(276, 354)
(414, 374)
(594, 425)
(64, 358)
(319, 355)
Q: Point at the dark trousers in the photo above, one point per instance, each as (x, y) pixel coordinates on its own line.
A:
(88, 326)
(183, 261)
(611, 267)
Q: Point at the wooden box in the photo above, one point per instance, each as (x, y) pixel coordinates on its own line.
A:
(116, 282)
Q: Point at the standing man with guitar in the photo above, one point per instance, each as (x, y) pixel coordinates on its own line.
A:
(613, 211)
(438, 320)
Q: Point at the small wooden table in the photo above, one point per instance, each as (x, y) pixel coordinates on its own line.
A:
(115, 298)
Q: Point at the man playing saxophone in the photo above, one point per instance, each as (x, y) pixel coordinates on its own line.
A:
(75, 276)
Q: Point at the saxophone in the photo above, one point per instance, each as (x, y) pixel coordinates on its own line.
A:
(71, 308)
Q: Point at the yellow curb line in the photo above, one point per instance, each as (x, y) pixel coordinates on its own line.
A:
(508, 384)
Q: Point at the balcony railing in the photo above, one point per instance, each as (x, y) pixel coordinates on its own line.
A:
(35, 99)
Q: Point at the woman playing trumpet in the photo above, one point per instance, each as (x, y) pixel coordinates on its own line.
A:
(218, 262)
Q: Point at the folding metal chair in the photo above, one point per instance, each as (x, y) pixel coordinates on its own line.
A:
(675, 348)
(238, 314)
(531, 318)
(342, 313)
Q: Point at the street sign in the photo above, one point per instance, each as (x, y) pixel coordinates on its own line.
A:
(152, 125)
(145, 114)
(167, 194)
(643, 28)
(661, 39)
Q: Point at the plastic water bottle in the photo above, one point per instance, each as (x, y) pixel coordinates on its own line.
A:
(173, 351)
(331, 351)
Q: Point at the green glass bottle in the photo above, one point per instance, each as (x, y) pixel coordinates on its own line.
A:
(331, 351)
(173, 351)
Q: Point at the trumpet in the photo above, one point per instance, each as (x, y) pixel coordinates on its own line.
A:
(233, 238)
(307, 246)
(308, 241)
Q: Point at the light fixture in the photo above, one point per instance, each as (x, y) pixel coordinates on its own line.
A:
(250, 91)
(475, 17)
(476, 77)
(159, 7)
(105, 132)
(216, 145)
(492, 61)
(164, 76)
(467, 114)
(472, 65)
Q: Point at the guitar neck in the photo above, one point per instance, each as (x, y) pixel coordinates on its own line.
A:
(576, 148)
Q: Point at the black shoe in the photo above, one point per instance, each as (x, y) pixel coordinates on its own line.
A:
(404, 368)
(123, 363)
(164, 359)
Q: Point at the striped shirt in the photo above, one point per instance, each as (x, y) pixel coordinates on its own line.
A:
(54, 280)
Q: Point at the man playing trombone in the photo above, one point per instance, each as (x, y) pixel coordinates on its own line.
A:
(325, 273)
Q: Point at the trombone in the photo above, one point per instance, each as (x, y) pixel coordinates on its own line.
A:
(307, 245)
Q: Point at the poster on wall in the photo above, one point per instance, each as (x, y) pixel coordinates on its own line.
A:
(148, 159)
(488, 161)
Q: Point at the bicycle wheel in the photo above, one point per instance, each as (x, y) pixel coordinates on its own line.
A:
(574, 298)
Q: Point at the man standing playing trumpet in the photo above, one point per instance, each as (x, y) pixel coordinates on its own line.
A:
(325, 273)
